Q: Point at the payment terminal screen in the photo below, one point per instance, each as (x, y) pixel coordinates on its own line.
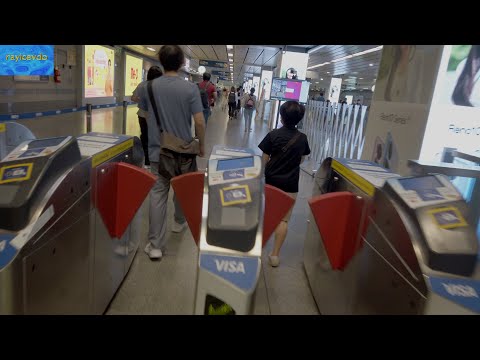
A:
(420, 183)
(424, 186)
(35, 144)
(237, 163)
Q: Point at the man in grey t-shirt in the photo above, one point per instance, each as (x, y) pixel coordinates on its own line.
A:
(177, 100)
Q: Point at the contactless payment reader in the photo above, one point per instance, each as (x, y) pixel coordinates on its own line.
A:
(235, 204)
(231, 234)
(231, 214)
(449, 244)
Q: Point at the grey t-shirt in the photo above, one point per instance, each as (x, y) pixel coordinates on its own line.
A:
(177, 100)
(140, 112)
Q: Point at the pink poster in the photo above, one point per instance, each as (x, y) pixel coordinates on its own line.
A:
(292, 90)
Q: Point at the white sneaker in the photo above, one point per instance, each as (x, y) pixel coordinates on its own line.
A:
(273, 260)
(176, 227)
(152, 252)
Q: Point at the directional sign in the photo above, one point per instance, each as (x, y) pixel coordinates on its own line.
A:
(221, 73)
(213, 63)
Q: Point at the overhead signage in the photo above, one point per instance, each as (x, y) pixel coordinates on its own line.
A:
(221, 73)
(214, 64)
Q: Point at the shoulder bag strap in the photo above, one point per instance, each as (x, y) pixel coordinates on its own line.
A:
(154, 104)
(292, 141)
(280, 156)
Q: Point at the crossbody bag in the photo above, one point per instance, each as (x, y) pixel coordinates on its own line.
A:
(169, 141)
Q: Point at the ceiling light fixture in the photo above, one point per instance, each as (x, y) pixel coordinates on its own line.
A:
(229, 47)
(231, 60)
(349, 57)
(370, 64)
(151, 49)
(315, 49)
(321, 78)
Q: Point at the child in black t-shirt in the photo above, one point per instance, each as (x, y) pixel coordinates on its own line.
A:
(284, 150)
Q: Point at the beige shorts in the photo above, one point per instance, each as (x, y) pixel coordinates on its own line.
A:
(287, 217)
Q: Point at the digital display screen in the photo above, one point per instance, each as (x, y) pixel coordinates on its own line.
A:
(99, 71)
(237, 163)
(287, 89)
(420, 183)
(133, 73)
(36, 144)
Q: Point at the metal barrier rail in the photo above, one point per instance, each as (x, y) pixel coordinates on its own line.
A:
(87, 110)
(334, 130)
(37, 114)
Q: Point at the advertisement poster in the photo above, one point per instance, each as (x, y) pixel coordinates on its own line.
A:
(454, 116)
(99, 71)
(334, 91)
(133, 73)
(406, 73)
(266, 84)
(294, 66)
(26, 60)
(256, 85)
(401, 104)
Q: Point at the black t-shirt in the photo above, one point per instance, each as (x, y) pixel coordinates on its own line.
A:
(283, 169)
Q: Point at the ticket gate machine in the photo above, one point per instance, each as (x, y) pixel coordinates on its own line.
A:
(235, 215)
(71, 218)
(410, 249)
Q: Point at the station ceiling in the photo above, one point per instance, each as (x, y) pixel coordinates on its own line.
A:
(357, 65)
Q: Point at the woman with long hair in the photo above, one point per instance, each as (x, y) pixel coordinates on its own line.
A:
(466, 81)
(397, 82)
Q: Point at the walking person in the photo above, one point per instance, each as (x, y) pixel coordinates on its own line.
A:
(153, 73)
(232, 102)
(208, 94)
(284, 149)
(171, 102)
(249, 104)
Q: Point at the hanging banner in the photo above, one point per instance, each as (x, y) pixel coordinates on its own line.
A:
(294, 66)
(213, 64)
(334, 92)
(266, 84)
(401, 104)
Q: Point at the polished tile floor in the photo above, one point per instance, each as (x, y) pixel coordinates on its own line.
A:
(167, 286)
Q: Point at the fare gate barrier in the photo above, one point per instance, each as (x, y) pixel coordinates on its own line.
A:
(231, 214)
(379, 243)
(71, 213)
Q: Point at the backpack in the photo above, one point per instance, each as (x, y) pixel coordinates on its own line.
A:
(204, 95)
(231, 97)
(250, 103)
